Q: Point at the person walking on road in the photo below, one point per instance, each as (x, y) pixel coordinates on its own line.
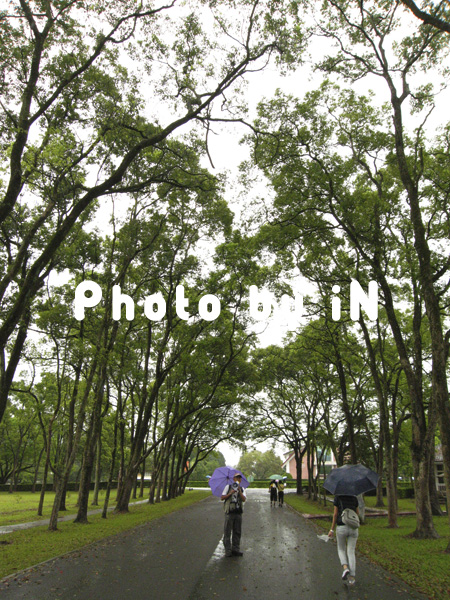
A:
(234, 497)
(346, 536)
(273, 490)
(280, 487)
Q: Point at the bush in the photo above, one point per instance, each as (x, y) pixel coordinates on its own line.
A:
(405, 492)
(197, 484)
(72, 486)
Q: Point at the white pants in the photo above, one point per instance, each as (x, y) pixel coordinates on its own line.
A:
(346, 543)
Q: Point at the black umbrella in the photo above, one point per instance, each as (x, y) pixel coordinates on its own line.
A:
(351, 480)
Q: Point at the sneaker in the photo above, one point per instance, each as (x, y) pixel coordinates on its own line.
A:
(351, 580)
(345, 574)
(237, 553)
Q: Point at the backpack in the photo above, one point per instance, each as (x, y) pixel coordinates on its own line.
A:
(349, 516)
(232, 507)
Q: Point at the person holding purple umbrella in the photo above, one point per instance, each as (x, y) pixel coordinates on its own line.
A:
(233, 496)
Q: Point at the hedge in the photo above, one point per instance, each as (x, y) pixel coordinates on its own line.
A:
(72, 486)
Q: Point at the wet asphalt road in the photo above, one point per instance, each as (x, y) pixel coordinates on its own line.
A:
(181, 557)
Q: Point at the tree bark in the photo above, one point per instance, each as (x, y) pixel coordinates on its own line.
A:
(434, 496)
(438, 350)
(98, 463)
(45, 475)
(91, 442)
(298, 466)
(385, 438)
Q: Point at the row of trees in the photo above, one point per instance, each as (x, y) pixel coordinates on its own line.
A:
(160, 392)
(361, 192)
(93, 99)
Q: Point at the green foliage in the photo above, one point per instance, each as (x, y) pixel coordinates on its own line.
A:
(206, 467)
(259, 464)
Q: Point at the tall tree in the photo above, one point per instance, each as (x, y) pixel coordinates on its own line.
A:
(371, 25)
(347, 206)
(77, 125)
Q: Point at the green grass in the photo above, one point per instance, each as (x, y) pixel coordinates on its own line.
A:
(403, 503)
(29, 547)
(21, 507)
(420, 563)
(303, 505)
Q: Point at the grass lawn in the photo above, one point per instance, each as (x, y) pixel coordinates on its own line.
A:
(403, 503)
(420, 563)
(21, 507)
(31, 546)
(303, 505)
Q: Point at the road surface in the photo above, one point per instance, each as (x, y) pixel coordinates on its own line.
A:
(181, 557)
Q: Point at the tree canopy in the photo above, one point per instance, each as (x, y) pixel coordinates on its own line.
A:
(107, 182)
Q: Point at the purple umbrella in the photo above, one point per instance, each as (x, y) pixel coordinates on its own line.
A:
(223, 476)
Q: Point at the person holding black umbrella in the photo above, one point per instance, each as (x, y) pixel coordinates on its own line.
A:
(346, 483)
(346, 536)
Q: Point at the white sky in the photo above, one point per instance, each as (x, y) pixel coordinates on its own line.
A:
(227, 154)
(232, 455)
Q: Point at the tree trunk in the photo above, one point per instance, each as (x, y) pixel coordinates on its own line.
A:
(385, 434)
(158, 488)
(151, 493)
(72, 445)
(62, 504)
(298, 467)
(88, 462)
(36, 470)
(141, 489)
(44, 478)
(112, 467)
(7, 371)
(61, 483)
(425, 528)
(345, 407)
(166, 478)
(379, 502)
(440, 392)
(434, 496)
(97, 468)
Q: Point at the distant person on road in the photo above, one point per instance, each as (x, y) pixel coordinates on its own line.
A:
(273, 490)
(280, 487)
(234, 498)
(346, 536)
